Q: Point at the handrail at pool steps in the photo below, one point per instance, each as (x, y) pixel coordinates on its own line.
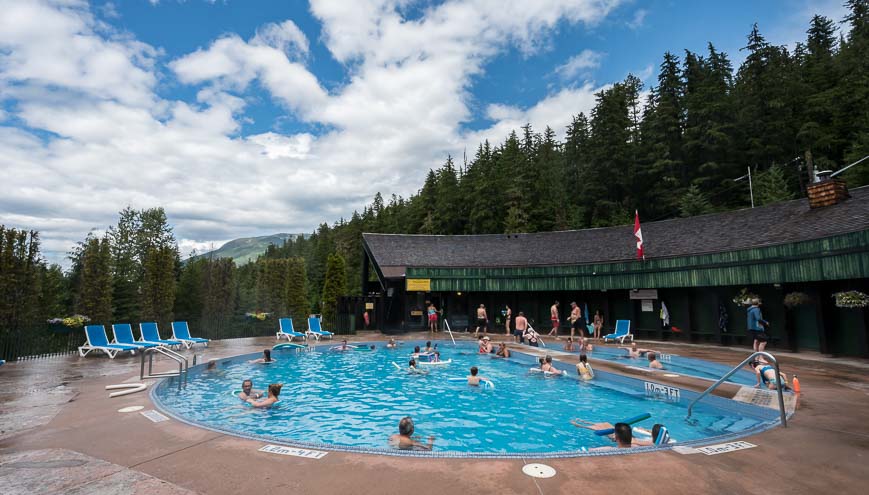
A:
(770, 358)
(183, 365)
(449, 330)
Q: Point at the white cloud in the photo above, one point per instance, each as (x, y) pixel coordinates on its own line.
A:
(108, 140)
(638, 19)
(579, 64)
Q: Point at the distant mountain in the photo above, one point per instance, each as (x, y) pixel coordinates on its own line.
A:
(248, 248)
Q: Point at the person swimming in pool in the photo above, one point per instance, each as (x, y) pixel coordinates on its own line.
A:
(622, 434)
(274, 392)
(485, 345)
(391, 344)
(416, 350)
(568, 346)
(411, 368)
(436, 357)
(765, 373)
(247, 391)
(547, 366)
(503, 351)
(428, 347)
(583, 369)
(404, 439)
(473, 379)
(585, 345)
(267, 358)
(653, 361)
(635, 352)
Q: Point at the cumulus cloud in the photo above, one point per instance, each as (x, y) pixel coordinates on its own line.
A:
(579, 64)
(638, 19)
(96, 135)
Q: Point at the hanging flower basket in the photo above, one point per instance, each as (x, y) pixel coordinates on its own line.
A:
(257, 316)
(795, 299)
(68, 323)
(744, 298)
(851, 299)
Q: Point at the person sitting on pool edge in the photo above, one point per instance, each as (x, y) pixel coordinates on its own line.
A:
(653, 361)
(404, 439)
(502, 350)
(547, 366)
(274, 392)
(267, 358)
(765, 372)
(247, 391)
(473, 379)
(583, 369)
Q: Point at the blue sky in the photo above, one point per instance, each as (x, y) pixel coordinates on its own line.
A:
(253, 117)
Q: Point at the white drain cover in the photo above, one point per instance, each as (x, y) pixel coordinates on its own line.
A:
(671, 375)
(131, 409)
(538, 470)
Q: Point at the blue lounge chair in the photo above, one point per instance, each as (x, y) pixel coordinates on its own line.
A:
(180, 331)
(315, 330)
(151, 334)
(623, 331)
(286, 330)
(97, 341)
(124, 335)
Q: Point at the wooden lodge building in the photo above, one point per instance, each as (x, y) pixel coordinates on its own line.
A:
(695, 266)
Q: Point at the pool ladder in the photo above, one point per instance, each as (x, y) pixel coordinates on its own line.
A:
(771, 359)
(178, 358)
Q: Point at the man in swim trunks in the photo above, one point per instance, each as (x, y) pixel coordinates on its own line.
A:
(247, 391)
(553, 316)
(521, 326)
(576, 320)
(482, 320)
(404, 439)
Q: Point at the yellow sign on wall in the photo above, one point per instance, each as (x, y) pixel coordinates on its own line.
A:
(419, 285)
(369, 305)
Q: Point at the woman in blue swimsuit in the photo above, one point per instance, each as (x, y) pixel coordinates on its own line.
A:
(765, 373)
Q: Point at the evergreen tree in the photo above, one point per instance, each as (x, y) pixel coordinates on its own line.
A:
(297, 291)
(95, 285)
(127, 267)
(158, 284)
(334, 287)
(771, 187)
(694, 202)
(19, 278)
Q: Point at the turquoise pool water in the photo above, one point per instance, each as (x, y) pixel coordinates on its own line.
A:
(677, 364)
(354, 400)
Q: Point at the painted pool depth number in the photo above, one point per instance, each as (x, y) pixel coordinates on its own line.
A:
(723, 448)
(658, 390)
(278, 449)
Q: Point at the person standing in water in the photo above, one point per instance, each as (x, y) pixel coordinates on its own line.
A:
(274, 392)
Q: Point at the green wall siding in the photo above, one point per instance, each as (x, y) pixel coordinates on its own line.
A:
(841, 257)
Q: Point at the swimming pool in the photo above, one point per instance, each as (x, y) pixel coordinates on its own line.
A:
(354, 400)
(676, 364)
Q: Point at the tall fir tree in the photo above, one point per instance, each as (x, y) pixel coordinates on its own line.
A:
(334, 287)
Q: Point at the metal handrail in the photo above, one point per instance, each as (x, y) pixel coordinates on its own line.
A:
(449, 330)
(770, 358)
(183, 365)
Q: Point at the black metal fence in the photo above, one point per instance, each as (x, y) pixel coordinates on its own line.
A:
(45, 341)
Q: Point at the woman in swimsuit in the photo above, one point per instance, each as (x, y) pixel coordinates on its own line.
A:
(432, 318)
(765, 373)
(598, 324)
(547, 366)
(508, 315)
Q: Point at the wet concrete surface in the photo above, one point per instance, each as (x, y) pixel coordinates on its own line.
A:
(55, 412)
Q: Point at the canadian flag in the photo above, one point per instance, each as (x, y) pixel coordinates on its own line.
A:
(638, 233)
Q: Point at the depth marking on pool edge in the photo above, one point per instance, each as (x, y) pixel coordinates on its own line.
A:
(723, 448)
(307, 453)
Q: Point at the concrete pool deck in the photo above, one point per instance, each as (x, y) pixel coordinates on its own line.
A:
(60, 433)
